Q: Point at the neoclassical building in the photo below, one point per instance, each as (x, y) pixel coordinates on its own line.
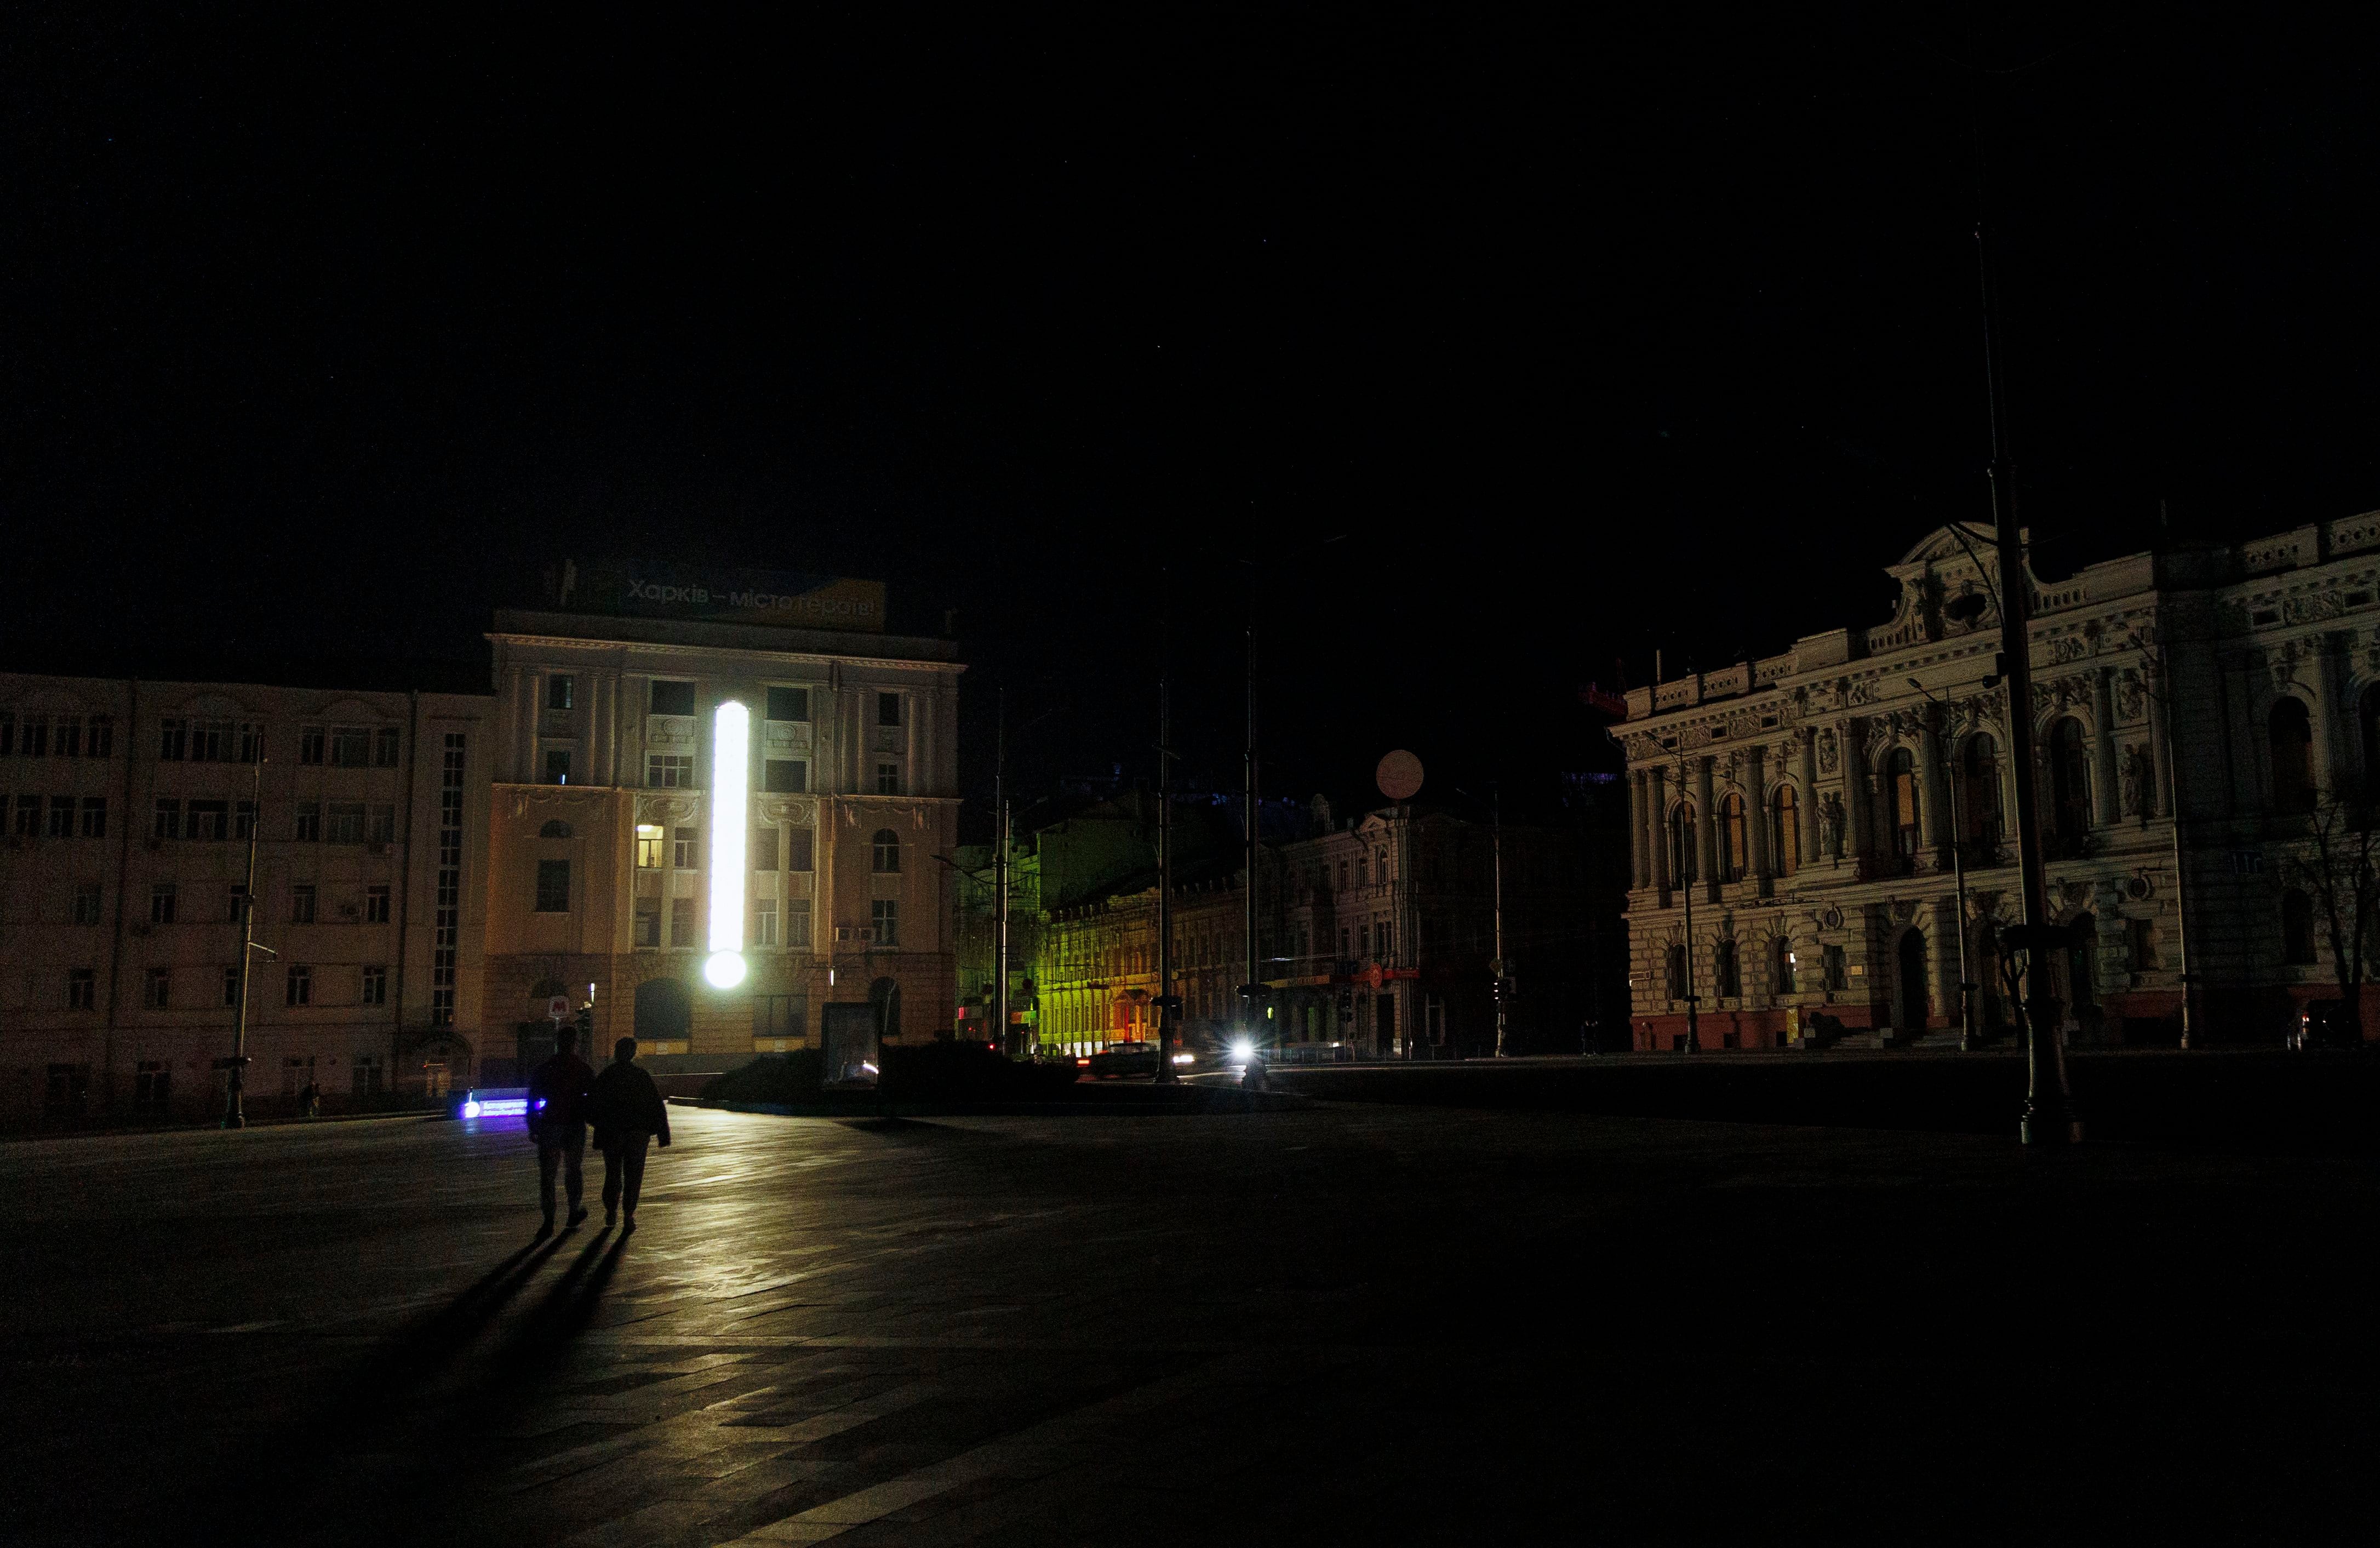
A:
(2194, 710)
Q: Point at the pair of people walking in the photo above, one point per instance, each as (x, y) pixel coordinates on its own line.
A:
(626, 1111)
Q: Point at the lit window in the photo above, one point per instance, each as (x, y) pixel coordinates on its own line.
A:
(648, 846)
(558, 688)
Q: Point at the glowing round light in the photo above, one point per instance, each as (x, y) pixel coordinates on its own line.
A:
(470, 1109)
(724, 969)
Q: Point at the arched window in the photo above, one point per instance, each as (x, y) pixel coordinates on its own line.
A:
(1677, 972)
(1901, 777)
(555, 829)
(1732, 840)
(2297, 926)
(1785, 831)
(1727, 981)
(2292, 737)
(2070, 780)
(887, 850)
(1783, 977)
(1979, 790)
(1681, 843)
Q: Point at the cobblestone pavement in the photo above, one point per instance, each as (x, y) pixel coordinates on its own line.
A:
(1348, 1326)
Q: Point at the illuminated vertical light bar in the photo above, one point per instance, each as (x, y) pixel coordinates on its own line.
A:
(731, 754)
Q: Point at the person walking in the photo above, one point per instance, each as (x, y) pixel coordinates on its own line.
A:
(628, 1110)
(559, 1091)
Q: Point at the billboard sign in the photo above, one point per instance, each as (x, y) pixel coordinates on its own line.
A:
(642, 590)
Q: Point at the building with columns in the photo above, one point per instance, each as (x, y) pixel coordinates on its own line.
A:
(1811, 812)
(433, 868)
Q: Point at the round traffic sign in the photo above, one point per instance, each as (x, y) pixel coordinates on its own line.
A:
(557, 1009)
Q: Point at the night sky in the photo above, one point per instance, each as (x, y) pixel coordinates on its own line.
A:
(325, 332)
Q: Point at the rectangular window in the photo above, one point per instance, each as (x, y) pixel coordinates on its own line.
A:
(382, 826)
(364, 1074)
(157, 989)
(69, 1085)
(231, 988)
(554, 887)
(347, 822)
(86, 903)
(385, 742)
(1363, 941)
(789, 704)
(681, 922)
(888, 709)
(243, 821)
(173, 738)
(887, 779)
(786, 777)
(1837, 975)
(34, 740)
(168, 822)
(211, 741)
(1383, 937)
(764, 848)
(797, 925)
(648, 846)
(649, 926)
(94, 816)
(764, 922)
(152, 1087)
(209, 820)
(799, 843)
(82, 989)
(7, 732)
(70, 744)
(302, 985)
(375, 986)
(101, 741)
(665, 770)
(234, 902)
(302, 897)
(351, 747)
(884, 917)
(557, 766)
(558, 688)
(161, 903)
(309, 822)
(685, 848)
(310, 740)
(62, 816)
(673, 699)
(28, 817)
(251, 742)
(2140, 935)
(375, 905)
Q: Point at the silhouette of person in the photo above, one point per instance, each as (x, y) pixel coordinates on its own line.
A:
(628, 1110)
(558, 1095)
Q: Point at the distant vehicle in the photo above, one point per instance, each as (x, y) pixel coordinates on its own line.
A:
(2322, 1024)
(494, 1102)
(1120, 1059)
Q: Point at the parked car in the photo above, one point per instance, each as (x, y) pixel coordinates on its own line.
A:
(2322, 1024)
(1120, 1059)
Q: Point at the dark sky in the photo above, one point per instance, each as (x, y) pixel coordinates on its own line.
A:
(325, 330)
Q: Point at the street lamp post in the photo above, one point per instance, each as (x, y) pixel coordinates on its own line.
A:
(234, 1114)
(1959, 881)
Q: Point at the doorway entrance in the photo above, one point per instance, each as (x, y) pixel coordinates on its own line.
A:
(1909, 1015)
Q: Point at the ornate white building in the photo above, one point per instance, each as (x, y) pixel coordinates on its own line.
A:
(1808, 809)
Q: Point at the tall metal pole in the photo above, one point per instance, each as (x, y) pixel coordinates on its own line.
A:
(999, 879)
(1254, 992)
(1959, 881)
(235, 1115)
(1165, 1073)
(2050, 1104)
(1496, 852)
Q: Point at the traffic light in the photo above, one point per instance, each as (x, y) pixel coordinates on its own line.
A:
(585, 1019)
(1346, 1005)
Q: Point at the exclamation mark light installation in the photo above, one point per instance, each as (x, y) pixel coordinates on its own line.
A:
(731, 743)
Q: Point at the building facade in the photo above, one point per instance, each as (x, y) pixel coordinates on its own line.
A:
(1802, 823)
(129, 809)
(434, 869)
(1377, 933)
